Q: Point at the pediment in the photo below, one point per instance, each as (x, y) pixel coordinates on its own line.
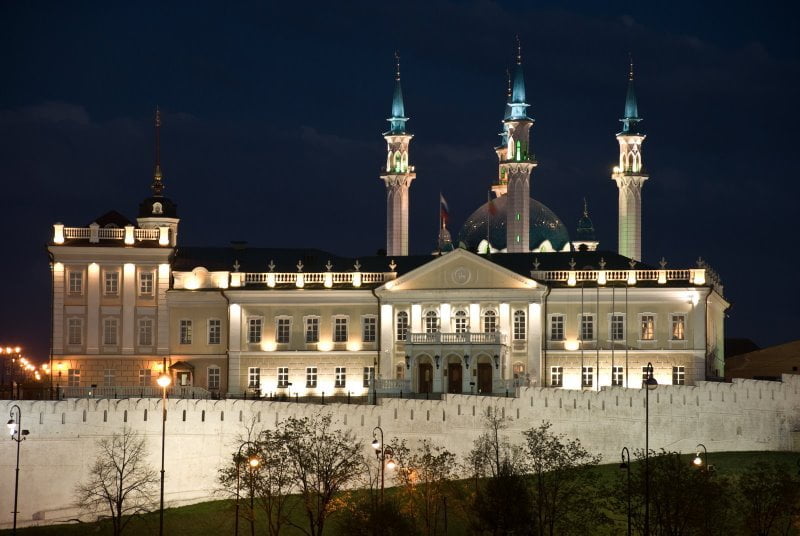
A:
(460, 270)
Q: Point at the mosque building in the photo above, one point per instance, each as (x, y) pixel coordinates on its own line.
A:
(514, 300)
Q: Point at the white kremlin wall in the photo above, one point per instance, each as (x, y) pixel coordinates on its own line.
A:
(202, 434)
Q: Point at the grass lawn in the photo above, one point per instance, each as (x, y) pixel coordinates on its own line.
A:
(217, 517)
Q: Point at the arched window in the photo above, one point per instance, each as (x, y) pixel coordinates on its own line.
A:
(510, 155)
(404, 166)
(461, 321)
(158, 208)
(489, 321)
(431, 322)
(397, 162)
(519, 151)
(519, 325)
(402, 326)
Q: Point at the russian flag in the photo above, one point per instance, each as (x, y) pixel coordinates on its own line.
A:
(444, 210)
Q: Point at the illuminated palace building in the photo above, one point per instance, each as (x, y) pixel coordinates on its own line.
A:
(513, 301)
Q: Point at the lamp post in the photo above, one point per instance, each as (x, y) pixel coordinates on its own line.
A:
(626, 466)
(701, 462)
(163, 380)
(253, 462)
(381, 451)
(648, 384)
(18, 435)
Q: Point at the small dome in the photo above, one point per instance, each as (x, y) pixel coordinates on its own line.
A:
(544, 226)
(585, 231)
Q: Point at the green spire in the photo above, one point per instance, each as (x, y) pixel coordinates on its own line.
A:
(517, 103)
(398, 119)
(631, 118)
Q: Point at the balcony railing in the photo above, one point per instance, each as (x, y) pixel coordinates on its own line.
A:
(457, 338)
(131, 392)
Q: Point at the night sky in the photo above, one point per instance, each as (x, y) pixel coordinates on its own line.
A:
(273, 113)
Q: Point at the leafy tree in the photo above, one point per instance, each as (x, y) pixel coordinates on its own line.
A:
(120, 482)
(770, 499)
(563, 486)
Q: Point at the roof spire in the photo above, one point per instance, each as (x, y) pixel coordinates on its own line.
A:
(398, 118)
(519, 51)
(397, 60)
(157, 186)
(517, 102)
(630, 72)
(585, 208)
(508, 76)
(631, 117)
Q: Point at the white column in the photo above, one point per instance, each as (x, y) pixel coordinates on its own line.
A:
(162, 341)
(128, 307)
(505, 328)
(535, 334)
(234, 348)
(58, 308)
(444, 316)
(93, 309)
(387, 342)
(474, 318)
(416, 318)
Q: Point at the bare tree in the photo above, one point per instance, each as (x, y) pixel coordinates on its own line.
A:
(120, 482)
(492, 453)
(770, 497)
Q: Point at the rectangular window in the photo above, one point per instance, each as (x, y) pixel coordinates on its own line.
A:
(557, 328)
(461, 322)
(311, 377)
(108, 377)
(678, 327)
(312, 329)
(186, 332)
(74, 377)
(402, 326)
(587, 377)
(110, 331)
(520, 325)
(111, 286)
(146, 283)
(253, 377)
(587, 327)
(213, 377)
(556, 376)
(75, 331)
(616, 375)
(370, 327)
(648, 331)
(617, 327)
(145, 378)
(340, 329)
(75, 282)
(341, 377)
(369, 374)
(283, 377)
(145, 332)
(214, 331)
(283, 328)
(678, 376)
(254, 330)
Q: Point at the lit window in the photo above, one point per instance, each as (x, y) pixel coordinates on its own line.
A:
(311, 377)
(158, 208)
(587, 377)
(75, 331)
(340, 329)
(518, 152)
(145, 332)
(587, 327)
(145, 378)
(556, 376)
(74, 377)
(678, 327)
(111, 287)
(678, 375)
(341, 377)
(283, 328)
(557, 328)
(110, 331)
(648, 327)
(254, 377)
(369, 374)
(312, 329)
(146, 283)
(283, 377)
(214, 331)
(431, 322)
(402, 326)
(520, 326)
(108, 377)
(461, 322)
(254, 330)
(213, 377)
(616, 375)
(186, 332)
(370, 328)
(617, 327)
(489, 321)
(75, 282)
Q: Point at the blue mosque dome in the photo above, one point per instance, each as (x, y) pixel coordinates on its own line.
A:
(544, 226)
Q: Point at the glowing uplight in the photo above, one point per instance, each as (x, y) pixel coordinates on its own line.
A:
(571, 345)
(354, 346)
(269, 346)
(58, 233)
(300, 282)
(163, 236)
(328, 280)
(325, 346)
(129, 235)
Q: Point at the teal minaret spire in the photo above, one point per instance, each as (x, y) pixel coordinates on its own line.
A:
(631, 119)
(517, 102)
(398, 173)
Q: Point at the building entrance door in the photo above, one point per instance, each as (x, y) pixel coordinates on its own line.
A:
(484, 378)
(454, 378)
(425, 378)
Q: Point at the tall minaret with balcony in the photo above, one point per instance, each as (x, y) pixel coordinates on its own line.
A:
(501, 186)
(398, 174)
(517, 164)
(630, 177)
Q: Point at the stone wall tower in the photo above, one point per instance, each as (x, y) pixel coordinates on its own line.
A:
(397, 174)
(630, 177)
(517, 163)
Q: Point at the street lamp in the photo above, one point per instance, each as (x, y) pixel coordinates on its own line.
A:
(18, 435)
(253, 462)
(648, 384)
(163, 381)
(626, 466)
(381, 451)
(700, 462)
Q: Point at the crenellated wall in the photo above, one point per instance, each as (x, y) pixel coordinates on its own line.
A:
(201, 434)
